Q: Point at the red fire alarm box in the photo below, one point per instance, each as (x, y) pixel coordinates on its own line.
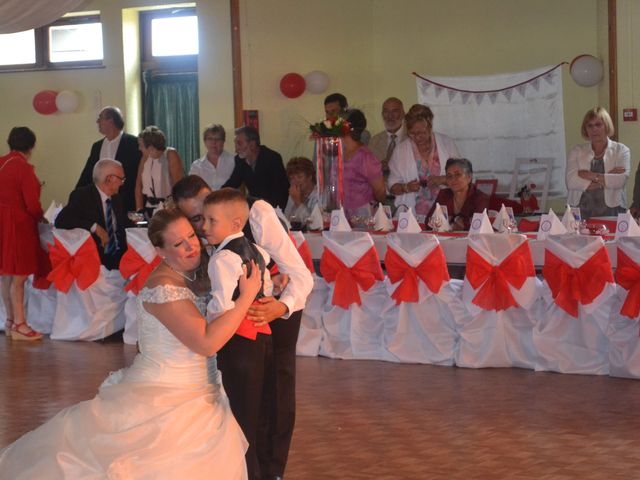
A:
(630, 115)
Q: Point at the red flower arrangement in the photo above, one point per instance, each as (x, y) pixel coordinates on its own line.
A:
(330, 128)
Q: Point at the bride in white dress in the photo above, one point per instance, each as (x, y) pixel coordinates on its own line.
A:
(160, 418)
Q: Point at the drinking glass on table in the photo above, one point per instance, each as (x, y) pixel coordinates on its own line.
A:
(511, 223)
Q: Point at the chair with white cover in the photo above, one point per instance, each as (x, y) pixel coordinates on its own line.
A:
(135, 266)
(351, 319)
(419, 326)
(570, 336)
(624, 329)
(40, 293)
(501, 294)
(310, 334)
(90, 298)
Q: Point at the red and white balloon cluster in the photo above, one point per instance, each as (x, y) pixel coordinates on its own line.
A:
(292, 85)
(47, 102)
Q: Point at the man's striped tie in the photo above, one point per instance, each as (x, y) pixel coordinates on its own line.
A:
(112, 246)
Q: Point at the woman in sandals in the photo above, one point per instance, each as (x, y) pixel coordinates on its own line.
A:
(20, 212)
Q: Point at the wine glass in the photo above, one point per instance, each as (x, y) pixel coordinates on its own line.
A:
(510, 222)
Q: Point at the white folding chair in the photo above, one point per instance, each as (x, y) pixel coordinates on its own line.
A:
(570, 336)
(419, 326)
(623, 331)
(90, 298)
(351, 318)
(501, 294)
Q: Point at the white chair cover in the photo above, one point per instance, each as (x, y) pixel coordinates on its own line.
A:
(94, 313)
(498, 338)
(138, 241)
(571, 344)
(310, 334)
(357, 331)
(41, 304)
(422, 332)
(624, 332)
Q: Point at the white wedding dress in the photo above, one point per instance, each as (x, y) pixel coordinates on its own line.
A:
(158, 419)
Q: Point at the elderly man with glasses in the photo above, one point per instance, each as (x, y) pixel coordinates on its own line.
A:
(99, 208)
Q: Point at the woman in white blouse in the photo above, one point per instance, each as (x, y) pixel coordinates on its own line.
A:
(215, 166)
(597, 171)
(160, 168)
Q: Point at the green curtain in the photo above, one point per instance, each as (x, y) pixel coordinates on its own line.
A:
(171, 103)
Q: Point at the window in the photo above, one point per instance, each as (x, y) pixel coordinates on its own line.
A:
(169, 40)
(71, 42)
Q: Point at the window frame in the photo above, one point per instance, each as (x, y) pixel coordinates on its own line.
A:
(43, 62)
(165, 64)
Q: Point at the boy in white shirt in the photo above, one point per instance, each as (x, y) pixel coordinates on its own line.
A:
(243, 359)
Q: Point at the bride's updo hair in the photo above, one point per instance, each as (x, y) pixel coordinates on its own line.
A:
(159, 223)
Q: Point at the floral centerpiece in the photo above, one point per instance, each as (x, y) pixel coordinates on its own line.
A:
(327, 135)
(330, 128)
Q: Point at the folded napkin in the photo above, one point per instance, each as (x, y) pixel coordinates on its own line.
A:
(282, 217)
(382, 223)
(501, 223)
(438, 221)
(480, 223)
(550, 224)
(570, 222)
(627, 226)
(339, 221)
(407, 223)
(316, 222)
(53, 211)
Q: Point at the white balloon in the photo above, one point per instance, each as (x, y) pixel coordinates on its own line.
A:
(317, 81)
(586, 70)
(67, 101)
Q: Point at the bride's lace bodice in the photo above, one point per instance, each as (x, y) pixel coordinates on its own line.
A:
(162, 356)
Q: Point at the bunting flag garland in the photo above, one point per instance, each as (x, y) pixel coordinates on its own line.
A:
(479, 95)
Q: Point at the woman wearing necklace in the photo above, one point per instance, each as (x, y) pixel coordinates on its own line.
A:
(461, 198)
(363, 182)
(597, 171)
(160, 418)
(416, 174)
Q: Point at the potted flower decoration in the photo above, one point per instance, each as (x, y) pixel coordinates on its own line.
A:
(329, 160)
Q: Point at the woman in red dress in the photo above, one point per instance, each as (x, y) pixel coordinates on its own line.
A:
(20, 212)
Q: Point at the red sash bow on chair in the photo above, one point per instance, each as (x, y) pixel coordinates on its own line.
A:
(570, 286)
(364, 274)
(628, 277)
(83, 266)
(495, 293)
(132, 264)
(432, 271)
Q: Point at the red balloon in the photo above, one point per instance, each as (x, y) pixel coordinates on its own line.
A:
(44, 102)
(292, 85)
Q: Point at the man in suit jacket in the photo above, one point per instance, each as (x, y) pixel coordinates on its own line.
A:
(115, 145)
(88, 208)
(383, 143)
(259, 168)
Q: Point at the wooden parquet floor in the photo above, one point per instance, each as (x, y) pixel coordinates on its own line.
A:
(376, 420)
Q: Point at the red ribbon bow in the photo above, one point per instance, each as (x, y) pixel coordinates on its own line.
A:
(495, 293)
(628, 277)
(570, 286)
(364, 274)
(132, 264)
(83, 266)
(432, 271)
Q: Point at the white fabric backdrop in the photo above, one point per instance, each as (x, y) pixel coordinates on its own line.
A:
(493, 129)
(21, 15)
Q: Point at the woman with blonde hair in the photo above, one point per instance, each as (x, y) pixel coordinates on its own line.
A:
(597, 171)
